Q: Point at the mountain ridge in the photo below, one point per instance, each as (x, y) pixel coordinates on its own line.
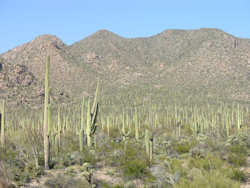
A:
(196, 60)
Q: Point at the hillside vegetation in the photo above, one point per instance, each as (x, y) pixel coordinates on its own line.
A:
(204, 63)
(168, 111)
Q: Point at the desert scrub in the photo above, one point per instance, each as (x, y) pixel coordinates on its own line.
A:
(177, 166)
(89, 156)
(134, 163)
(209, 162)
(69, 143)
(75, 158)
(32, 171)
(65, 181)
(16, 167)
(237, 159)
(70, 171)
(207, 180)
(21, 173)
(105, 185)
(238, 175)
(238, 148)
(7, 155)
(213, 163)
(237, 155)
(187, 130)
(111, 153)
(184, 146)
(135, 169)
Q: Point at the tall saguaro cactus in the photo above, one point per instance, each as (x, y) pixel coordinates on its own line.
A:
(81, 133)
(136, 126)
(59, 131)
(92, 117)
(45, 126)
(147, 138)
(3, 124)
(149, 145)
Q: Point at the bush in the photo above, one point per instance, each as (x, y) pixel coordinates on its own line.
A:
(183, 147)
(61, 181)
(237, 159)
(237, 155)
(238, 175)
(212, 179)
(238, 149)
(135, 169)
(210, 162)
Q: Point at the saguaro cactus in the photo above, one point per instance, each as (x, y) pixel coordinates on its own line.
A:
(45, 126)
(59, 131)
(108, 125)
(147, 141)
(123, 131)
(149, 145)
(50, 130)
(136, 126)
(81, 133)
(150, 150)
(92, 118)
(3, 124)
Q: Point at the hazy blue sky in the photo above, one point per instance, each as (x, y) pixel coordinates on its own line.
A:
(72, 20)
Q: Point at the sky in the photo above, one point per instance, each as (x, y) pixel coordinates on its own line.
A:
(72, 20)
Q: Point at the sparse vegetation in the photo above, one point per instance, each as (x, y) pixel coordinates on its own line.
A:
(214, 145)
(153, 137)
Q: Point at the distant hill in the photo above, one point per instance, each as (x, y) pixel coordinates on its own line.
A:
(207, 61)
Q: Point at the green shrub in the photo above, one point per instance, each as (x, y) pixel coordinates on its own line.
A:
(32, 171)
(238, 175)
(61, 181)
(237, 154)
(105, 185)
(7, 155)
(237, 159)
(135, 169)
(183, 147)
(210, 162)
(210, 180)
(176, 166)
(238, 149)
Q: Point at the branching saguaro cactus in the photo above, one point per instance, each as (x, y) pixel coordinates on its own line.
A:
(46, 126)
(92, 118)
(3, 124)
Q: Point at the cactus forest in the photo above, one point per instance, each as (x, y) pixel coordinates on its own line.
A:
(96, 142)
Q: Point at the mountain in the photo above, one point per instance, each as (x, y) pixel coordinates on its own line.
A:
(204, 61)
(18, 85)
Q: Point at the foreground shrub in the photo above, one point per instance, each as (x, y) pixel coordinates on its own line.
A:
(135, 169)
(208, 180)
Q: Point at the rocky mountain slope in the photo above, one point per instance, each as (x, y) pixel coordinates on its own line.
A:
(19, 86)
(206, 61)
